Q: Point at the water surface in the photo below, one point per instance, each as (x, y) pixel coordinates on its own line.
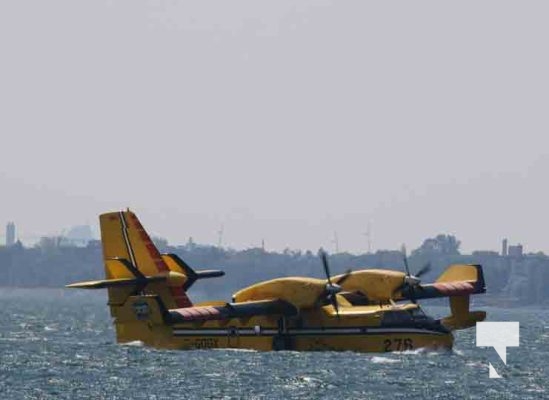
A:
(59, 344)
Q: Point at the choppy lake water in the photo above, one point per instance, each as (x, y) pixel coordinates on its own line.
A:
(59, 344)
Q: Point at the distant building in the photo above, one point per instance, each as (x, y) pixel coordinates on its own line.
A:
(504, 248)
(508, 250)
(10, 234)
(78, 236)
(94, 244)
(515, 251)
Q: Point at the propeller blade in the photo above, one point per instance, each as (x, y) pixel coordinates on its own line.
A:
(413, 295)
(333, 300)
(426, 268)
(324, 258)
(330, 291)
(405, 259)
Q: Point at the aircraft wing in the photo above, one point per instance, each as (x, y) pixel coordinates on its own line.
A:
(446, 289)
(231, 310)
(457, 280)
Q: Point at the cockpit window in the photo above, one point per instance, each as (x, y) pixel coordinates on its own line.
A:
(404, 317)
(417, 313)
(397, 318)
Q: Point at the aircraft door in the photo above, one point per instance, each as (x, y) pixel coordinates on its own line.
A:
(282, 340)
(233, 337)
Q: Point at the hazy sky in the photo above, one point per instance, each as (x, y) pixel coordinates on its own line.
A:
(282, 120)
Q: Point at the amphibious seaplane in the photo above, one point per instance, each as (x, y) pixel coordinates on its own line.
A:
(370, 310)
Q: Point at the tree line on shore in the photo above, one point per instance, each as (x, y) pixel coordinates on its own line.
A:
(510, 280)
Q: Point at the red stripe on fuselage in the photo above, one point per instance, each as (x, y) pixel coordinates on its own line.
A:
(454, 288)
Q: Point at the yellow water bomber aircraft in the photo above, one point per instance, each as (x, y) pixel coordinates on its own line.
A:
(371, 310)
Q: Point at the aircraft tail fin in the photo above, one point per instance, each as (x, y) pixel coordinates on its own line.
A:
(133, 265)
(141, 287)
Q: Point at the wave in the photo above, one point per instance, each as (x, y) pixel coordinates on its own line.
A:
(383, 360)
(134, 343)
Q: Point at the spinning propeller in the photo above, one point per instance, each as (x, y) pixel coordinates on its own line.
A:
(412, 282)
(332, 288)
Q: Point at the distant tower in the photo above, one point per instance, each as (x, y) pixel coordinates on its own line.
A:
(10, 234)
(504, 248)
(368, 234)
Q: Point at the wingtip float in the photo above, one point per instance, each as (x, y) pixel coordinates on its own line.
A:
(355, 311)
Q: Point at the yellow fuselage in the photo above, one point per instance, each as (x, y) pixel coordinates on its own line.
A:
(358, 328)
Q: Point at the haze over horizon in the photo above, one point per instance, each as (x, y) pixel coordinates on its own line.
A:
(280, 121)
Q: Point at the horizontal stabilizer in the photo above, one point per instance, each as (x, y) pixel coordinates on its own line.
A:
(107, 283)
(175, 263)
(209, 273)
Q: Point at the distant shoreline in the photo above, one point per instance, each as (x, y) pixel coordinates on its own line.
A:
(511, 281)
(491, 301)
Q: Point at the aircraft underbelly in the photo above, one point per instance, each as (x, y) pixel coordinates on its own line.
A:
(313, 339)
